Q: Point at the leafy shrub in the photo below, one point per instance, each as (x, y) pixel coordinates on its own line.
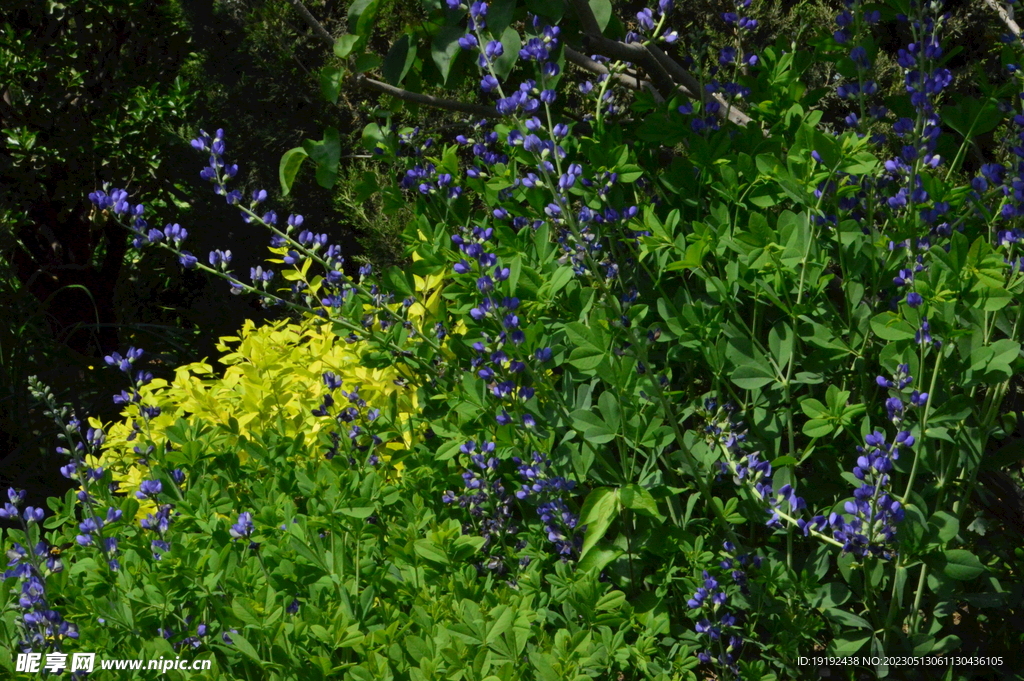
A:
(702, 391)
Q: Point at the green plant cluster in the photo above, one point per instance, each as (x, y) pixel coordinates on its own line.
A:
(686, 386)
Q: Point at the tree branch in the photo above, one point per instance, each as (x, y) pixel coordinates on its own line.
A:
(1005, 16)
(668, 75)
(687, 81)
(317, 27)
(632, 82)
(419, 98)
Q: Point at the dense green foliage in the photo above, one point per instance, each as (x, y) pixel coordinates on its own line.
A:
(684, 378)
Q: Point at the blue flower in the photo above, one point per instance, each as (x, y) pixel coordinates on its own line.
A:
(149, 488)
(244, 526)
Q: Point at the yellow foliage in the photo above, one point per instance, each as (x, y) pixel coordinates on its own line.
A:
(274, 372)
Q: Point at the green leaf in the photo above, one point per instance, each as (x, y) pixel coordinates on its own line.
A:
(590, 347)
(367, 61)
(242, 644)
(357, 511)
(429, 550)
(593, 428)
(780, 342)
(303, 550)
(361, 14)
(830, 595)
(599, 510)
(400, 281)
(752, 376)
(847, 619)
(890, 326)
(586, 358)
(243, 613)
(818, 428)
(609, 407)
(944, 526)
(636, 498)
(971, 118)
(289, 168)
(511, 44)
(399, 60)
(613, 600)
(962, 565)
(813, 408)
(326, 155)
(326, 152)
(445, 47)
(598, 558)
(326, 176)
(602, 12)
(1004, 352)
(330, 83)
(499, 15)
(344, 44)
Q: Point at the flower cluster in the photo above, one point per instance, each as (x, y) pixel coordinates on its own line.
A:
(896, 386)
(705, 124)
(749, 469)
(874, 511)
(924, 82)
(720, 623)
(1009, 182)
(733, 18)
(41, 624)
(362, 439)
(426, 180)
(851, 22)
(92, 526)
(218, 172)
(243, 528)
(650, 23)
(141, 378)
(722, 433)
(158, 522)
(548, 491)
(116, 202)
(490, 508)
(608, 96)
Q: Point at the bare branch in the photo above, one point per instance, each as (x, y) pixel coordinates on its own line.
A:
(428, 100)
(317, 27)
(633, 82)
(687, 81)
(668, 75)
(398, 93)
(1005, 15)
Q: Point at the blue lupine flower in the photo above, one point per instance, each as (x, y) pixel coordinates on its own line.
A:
(149, 488)
(244, 526)
(187, 260)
